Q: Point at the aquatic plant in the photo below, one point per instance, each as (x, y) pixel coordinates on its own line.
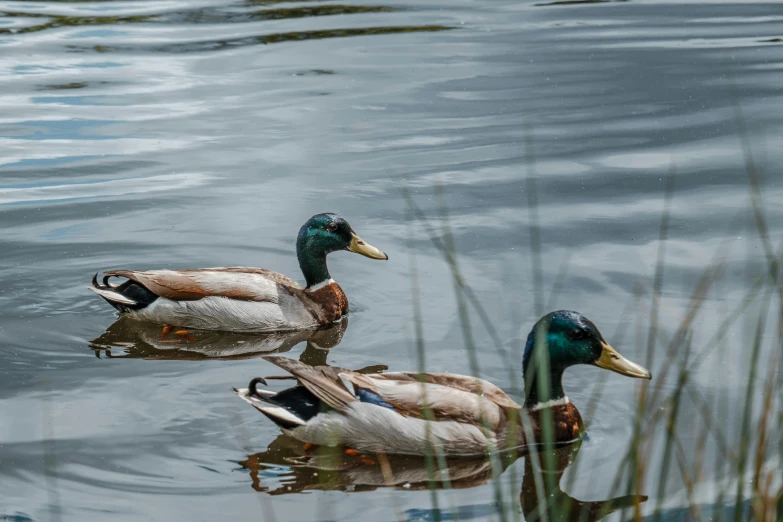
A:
(744, 481)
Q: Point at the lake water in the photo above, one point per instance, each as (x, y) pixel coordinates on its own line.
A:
(141, 134)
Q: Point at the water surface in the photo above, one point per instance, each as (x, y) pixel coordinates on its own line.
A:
(140, 134)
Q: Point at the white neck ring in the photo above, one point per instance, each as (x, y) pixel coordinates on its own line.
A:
(548, 404)
(320, 285)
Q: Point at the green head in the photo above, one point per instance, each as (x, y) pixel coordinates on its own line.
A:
(322, 235)
(567, 338)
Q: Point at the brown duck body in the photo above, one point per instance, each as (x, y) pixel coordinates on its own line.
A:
(405, 413)
(244, 299)
(410, 413)
(220, 298)
(331, 302)
(566, 423)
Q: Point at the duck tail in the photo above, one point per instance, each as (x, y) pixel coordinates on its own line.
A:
(125, 297)
(281, 413)
(111, 294)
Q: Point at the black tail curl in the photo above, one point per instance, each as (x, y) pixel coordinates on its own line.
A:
(106, 285)
(253, 383)
(129, 289)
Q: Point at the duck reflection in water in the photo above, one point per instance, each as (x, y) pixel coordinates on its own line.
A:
(129, 338)
(332, 469)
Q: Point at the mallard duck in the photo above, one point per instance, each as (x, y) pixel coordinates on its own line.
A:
(388, 412)
(241, 298)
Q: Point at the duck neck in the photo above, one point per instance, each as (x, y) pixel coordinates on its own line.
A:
(533, 391)
(312, 262)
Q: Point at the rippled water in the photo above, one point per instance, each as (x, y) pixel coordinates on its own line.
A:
(182, 134)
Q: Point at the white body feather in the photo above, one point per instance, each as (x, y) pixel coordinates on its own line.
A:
(261, 304)
(216, 313)
(370, 428)
(111, 295)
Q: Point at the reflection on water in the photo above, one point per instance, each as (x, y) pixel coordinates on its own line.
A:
(213, 15)
(64, 86)
(55, 21)
(327, 468)
(216, 16)
(562, 506)
(230, 43)
(572, 2)
(196, 16)
(331, 469)
(151, 148)
(31, 21)
(130, 338)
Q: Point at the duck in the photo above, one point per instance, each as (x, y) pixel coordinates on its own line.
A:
(244, 299)
(413, 413)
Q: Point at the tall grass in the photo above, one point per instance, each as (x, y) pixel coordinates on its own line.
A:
(717, 464)
(732, 471)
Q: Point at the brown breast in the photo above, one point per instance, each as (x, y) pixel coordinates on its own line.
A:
(566, 419)
(332, 302)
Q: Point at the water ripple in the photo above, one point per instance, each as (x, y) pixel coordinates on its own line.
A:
(10, 195)
(148, 134)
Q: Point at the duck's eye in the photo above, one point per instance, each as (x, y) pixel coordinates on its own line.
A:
(578, 334)
(331, 227)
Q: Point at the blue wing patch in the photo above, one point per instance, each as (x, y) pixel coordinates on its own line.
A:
(372, 398)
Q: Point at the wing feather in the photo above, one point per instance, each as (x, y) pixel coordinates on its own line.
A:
(449, 397)
(413, 398)
(241, 283)
(460, 382)
(322, 381)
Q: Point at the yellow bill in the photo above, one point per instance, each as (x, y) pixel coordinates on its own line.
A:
(359, 246)
(611, 360)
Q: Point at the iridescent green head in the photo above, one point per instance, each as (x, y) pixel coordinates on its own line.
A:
(564, 339)
(322, 235)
